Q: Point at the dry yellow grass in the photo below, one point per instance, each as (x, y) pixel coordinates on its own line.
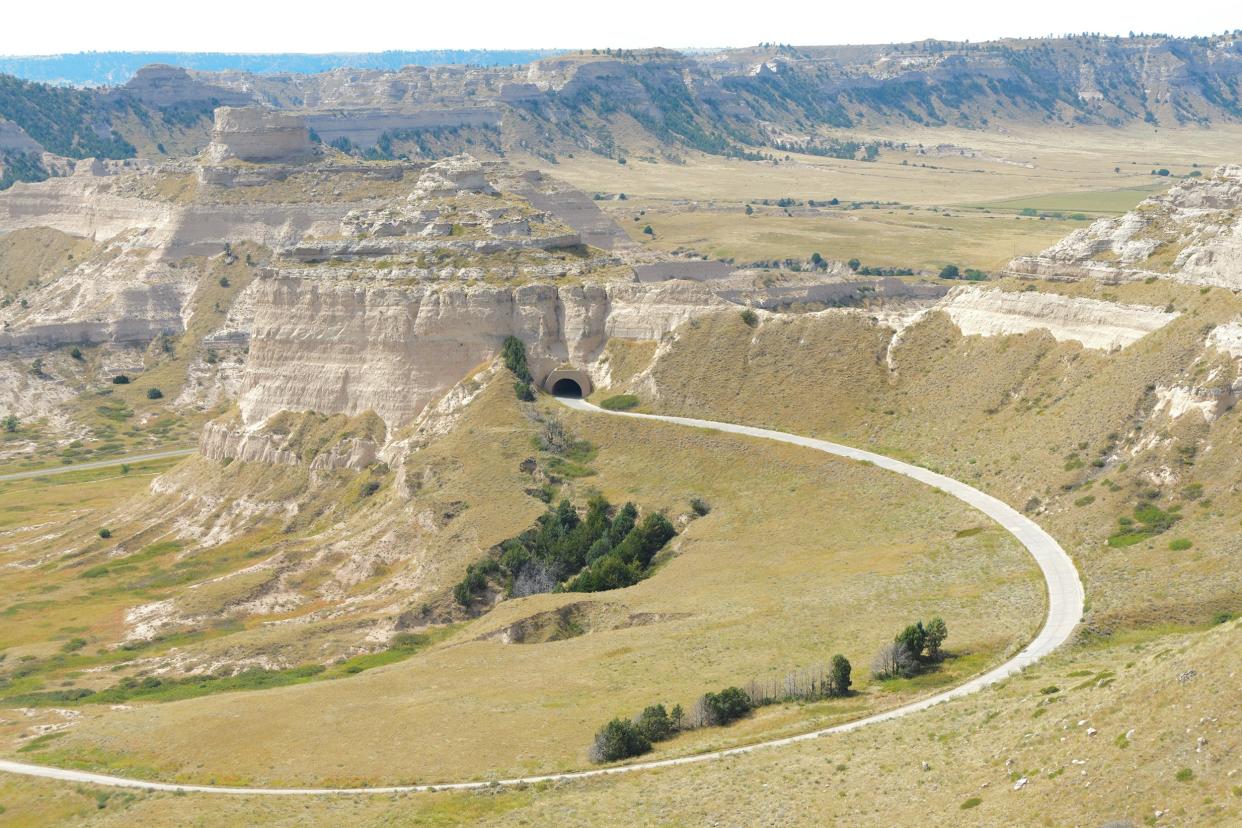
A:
(699, 204)
(751, 593)
(1150, 702)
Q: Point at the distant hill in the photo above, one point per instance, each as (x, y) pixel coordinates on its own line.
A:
(746, 103)
(115, 68)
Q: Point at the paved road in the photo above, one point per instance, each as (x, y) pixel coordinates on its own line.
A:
(96, 464)
(1065, 608)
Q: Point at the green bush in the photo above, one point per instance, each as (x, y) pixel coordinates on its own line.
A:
(949, 271)
(700, 506)
(750, 318)
(513, 354)
(523, 391)
(839, 677)
(1180, 544)
(654, 724)
(105, 533)
(726, 706)
(154, 394)
(120, 379)
(621, 402)
(619, 739)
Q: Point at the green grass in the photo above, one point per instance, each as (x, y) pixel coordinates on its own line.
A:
(1097, 201)
(620, 402)
(164, 690)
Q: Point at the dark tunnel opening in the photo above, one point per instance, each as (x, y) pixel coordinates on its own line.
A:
(566, 387)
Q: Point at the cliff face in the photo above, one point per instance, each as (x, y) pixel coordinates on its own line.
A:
(339, 346)
(1099, 325)
(1192, 234)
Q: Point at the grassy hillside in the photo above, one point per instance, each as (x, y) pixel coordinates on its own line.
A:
(1075, 437)
(1138, 733)
(748, 593)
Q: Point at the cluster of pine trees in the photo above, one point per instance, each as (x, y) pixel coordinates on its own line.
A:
(604, 549)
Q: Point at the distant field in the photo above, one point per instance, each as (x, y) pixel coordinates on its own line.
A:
(697, 201)
(894, 237)
(1101, 201)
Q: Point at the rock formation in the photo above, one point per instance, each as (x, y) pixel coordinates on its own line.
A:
(1191, 234)
(1096, 324)
(260, 136)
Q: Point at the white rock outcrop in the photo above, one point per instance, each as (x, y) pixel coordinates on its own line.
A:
(452, 176)
(1096, 324)
(1192, 234)
(1227, 338)
(338, 346)
(259, 135)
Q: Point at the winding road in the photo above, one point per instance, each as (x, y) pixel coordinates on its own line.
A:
(1065, 608)
(96, 464)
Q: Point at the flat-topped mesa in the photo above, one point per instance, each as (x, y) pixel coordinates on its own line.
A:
(260, 136)
(452, 211)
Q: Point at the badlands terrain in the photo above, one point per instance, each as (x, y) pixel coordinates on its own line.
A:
(288, 344)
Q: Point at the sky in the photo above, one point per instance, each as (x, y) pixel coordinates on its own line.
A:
(376, 25)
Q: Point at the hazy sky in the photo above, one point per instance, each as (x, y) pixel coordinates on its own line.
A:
(338, 25)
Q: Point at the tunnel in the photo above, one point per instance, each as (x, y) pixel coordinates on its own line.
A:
(566, 387)
(568, 381)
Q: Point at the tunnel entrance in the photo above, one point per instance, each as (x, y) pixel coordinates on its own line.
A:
(566, 387)
(568, 381)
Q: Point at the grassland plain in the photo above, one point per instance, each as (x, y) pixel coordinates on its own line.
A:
(749, 594)
(975, 181)
(1146, 731)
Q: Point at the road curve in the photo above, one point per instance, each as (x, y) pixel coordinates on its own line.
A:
(96, 464)
(1065, 608)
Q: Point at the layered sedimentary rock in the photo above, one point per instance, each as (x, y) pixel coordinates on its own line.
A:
(260, 136)
(1192, 234)
(1096, 324)
(336, 346)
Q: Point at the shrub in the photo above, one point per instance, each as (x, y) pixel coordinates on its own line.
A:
(1180, 544)
(11, 423)
(654, 723)
(1221, 618)
(729, 704)
(750, 318)
(620, 402)
(949, 271)
(936, 632)
(700, 506)
(513, 354)
(619, 739)
(1184, 775)
(523, 391)
(154, 394)
(105, 533)
(224, 281)
(75, 353)
(120, 379)
(914, 639)
(839, 679)
(973, 802)
(893, 661)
